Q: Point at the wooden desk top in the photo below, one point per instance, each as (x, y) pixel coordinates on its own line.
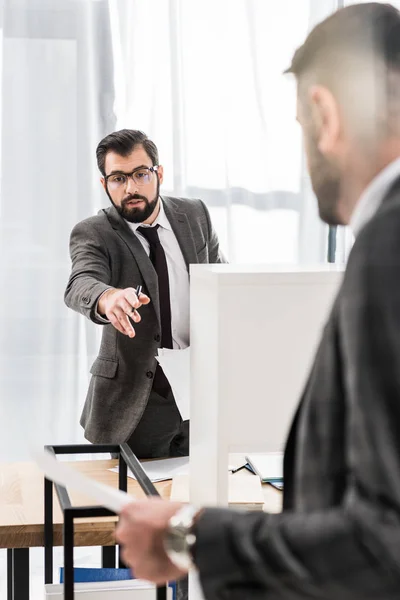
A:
(22, 505)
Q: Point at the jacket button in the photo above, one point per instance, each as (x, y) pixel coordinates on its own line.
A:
(157, 337)
(86, 300)
(149, 374)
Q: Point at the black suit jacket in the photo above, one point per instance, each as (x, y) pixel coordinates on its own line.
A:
(105, 252)
(338, 536)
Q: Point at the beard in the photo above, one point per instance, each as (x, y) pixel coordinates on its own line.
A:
(136, 214)
(326, 182)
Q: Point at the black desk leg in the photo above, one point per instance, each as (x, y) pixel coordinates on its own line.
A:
(121, 564)
(48, 531)
(18, 574)
(68, 555)
(108, 557)
(161, 593)
(123, 485)
(10, 590)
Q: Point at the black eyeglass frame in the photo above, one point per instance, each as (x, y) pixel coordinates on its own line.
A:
(153, 169)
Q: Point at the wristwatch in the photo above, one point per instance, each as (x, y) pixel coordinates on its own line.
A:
(180, 537)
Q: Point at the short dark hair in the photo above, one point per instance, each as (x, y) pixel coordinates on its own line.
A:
(123, 142)
(370, 27)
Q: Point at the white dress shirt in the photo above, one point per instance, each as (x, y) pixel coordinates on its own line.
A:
(177, 274)
(372, 197)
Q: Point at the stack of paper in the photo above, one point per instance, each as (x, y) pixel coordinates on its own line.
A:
(176, 367)
(133, 589)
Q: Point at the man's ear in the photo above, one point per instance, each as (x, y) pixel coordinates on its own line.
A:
(326, 118)
(160, 172)
(103, 183)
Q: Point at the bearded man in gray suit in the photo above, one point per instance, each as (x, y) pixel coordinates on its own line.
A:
(338, 536)
(142, 239)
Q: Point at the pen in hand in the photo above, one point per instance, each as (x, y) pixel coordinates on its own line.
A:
(134, 314)
(138, 291)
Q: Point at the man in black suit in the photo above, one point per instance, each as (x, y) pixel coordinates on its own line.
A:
(338, 535)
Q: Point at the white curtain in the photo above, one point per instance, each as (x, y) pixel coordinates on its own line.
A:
(204, 80)
(56, 100)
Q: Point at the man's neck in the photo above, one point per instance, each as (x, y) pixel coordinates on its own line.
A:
(362, 176)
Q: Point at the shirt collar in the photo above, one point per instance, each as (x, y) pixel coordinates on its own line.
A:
(372, 197)
(160, 220)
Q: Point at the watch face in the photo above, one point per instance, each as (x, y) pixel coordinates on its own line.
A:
(180, 539)
(176, 547)
(176, 539)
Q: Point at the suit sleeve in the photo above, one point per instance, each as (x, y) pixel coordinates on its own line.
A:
(214, 251)
(350, 551)
(90, 275)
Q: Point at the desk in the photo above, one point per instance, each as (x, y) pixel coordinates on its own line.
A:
(22, 515)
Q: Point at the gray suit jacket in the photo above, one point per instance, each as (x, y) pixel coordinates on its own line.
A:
(105, 252)
(338, 536)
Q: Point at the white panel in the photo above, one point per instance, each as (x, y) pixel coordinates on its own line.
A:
(254, 332)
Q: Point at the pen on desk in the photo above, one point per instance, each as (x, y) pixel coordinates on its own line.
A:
(236, 469)
(245, 466)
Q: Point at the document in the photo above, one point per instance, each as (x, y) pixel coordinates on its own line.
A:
(164, 469)
(65, 475)
(176, 367)
(269, 467)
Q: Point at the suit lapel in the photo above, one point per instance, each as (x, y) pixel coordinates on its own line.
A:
(139, 254)
(182, 230)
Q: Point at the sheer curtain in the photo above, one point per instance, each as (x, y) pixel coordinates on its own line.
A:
(204, 80)
(57, 99)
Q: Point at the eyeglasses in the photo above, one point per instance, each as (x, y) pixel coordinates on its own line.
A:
(140, 176)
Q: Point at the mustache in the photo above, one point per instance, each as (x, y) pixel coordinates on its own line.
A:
(134, 197)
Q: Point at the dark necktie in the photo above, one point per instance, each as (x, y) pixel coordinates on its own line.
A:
(157, 257)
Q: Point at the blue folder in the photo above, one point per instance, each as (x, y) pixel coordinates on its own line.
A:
(82, 575)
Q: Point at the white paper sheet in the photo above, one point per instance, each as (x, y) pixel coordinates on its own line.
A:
(268, 466)
(176, 367)
(165, 469)
(162, 470)
(65, 475)
(132, 589)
